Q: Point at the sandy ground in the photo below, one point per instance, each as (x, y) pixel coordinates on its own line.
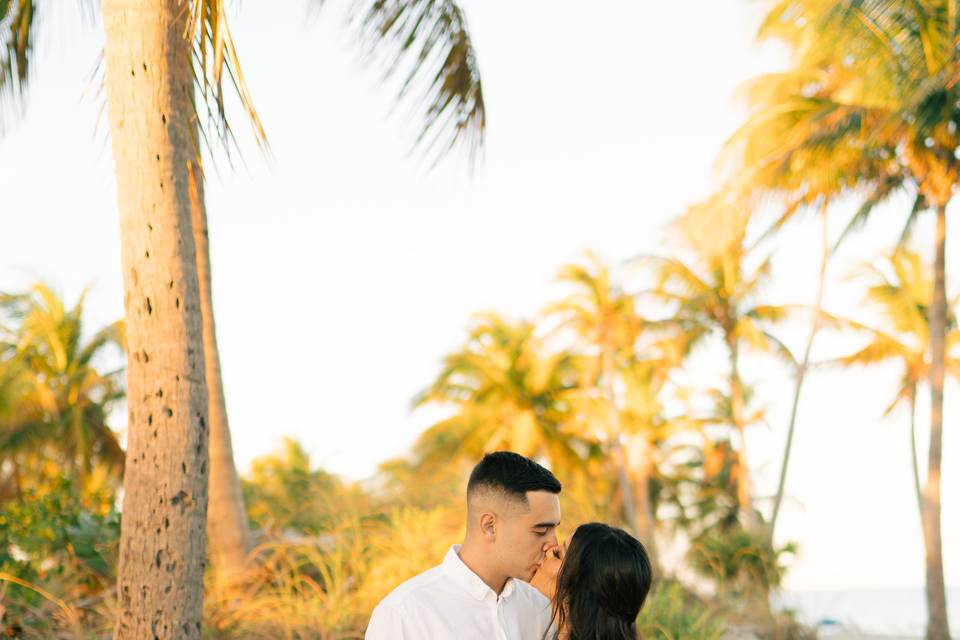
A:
(831, 635)
(859, 636)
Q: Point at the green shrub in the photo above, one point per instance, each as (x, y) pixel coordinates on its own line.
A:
(671, 612)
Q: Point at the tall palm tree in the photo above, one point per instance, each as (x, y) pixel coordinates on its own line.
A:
(787, 151)
(803, 366)
(505, 392)
(149, 76)
(900, 289)
(898, 68)
(150, 104)
(646, 429)
(60, 398)
(228, 529)
(161, 202)
(607, 327)
(713, 291)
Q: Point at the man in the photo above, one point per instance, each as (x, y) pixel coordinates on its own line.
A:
(481, 591)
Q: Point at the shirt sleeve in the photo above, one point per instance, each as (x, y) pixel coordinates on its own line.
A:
(385, 624)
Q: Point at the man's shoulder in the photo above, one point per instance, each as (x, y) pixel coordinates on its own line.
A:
(407, 593)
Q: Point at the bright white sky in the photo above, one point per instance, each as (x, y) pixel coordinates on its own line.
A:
(344, 270)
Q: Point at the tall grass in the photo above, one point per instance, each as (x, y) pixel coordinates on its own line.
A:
(325, 587)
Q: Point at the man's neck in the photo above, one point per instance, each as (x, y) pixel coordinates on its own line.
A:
(473, 556)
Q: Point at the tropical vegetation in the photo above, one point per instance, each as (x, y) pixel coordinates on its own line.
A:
(107, 525)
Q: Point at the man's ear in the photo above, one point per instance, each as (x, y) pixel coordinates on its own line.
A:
(488, 526)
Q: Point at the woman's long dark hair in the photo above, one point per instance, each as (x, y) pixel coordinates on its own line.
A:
(602, 584)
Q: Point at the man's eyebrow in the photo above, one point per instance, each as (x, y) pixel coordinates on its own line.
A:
(548, 525)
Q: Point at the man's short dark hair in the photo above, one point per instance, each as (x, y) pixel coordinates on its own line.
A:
(512, 474)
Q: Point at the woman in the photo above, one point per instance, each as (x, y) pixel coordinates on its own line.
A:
(602, 583)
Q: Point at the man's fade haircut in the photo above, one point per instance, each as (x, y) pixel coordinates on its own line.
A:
(511, 475)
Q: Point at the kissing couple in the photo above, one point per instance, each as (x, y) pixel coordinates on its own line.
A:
(511, 580)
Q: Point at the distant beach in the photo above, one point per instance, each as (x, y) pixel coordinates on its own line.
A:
(870, 614)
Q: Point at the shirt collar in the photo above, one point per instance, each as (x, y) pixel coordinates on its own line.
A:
(464, 577)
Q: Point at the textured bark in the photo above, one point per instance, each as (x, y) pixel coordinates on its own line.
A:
(937, 625)
(149, 86)
(228, 531)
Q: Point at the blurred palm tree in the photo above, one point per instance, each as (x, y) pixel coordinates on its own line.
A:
(407, 482)
(19, 414)
(702, 476)
(715, 291)
(506, 392)
(702, 487)
(792, 153)
(286, 493)
(900, 286)
(742, 565)
(618, 396)
(55, 397)
(895, 67)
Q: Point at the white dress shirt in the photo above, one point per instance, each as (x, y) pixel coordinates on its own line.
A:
(452, 602)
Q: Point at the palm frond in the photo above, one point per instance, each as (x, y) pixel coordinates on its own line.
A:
(759, 339)
(673, 272)
(790, 209)
(906, 391)
(877, 196)
(840, 323)
(919, 204)
(427, 41)
(781, 350)
(771, 313)
(880, 349)
(751, 285)
(216, 64)
(17, 29)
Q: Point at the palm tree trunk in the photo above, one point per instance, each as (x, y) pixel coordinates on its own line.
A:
(617, 449)
(636, 499)
(937, 625)
(804, 367)
(646, 525)
(626, 486)
(149, 82)
(744, 498)
(913, 449)
(228, 531)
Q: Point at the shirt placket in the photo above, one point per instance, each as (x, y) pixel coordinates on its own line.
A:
(493, 604)
(499, 620)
